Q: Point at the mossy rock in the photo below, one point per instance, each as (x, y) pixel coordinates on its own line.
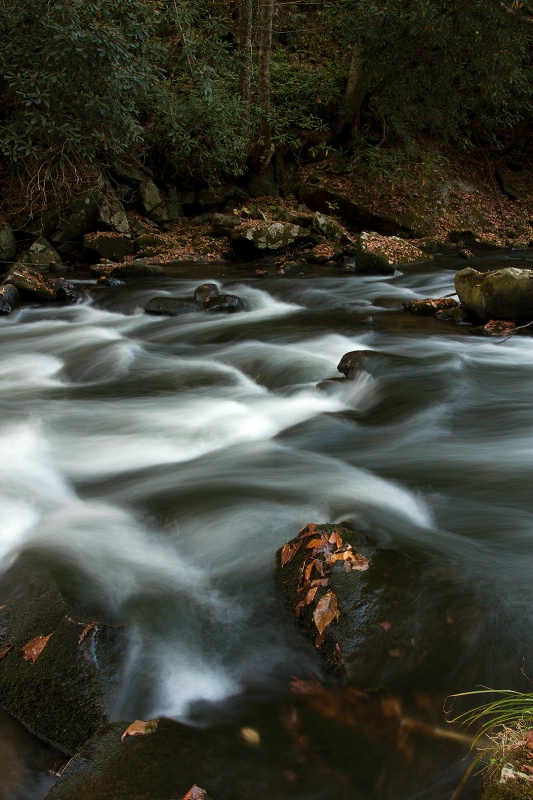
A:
(61, 695)
(149, 245)
(500, 294)
(31, 284)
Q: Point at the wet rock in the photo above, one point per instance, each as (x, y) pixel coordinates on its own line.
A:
(8, 244)
(105, 280)
(68, 293)
(60, 692)
(455, 316)
(9, 299)
(255, 241)
(429, 306)
(502, 294)
(41, 255)
(464, 252)
(171, 307)
(206, 293)
(225, 304)
(324, 225)
(32, 285)
(355, 609)
(137, 270)
(110, 246)
(352, 363)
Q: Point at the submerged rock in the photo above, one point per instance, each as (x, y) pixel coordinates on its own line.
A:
(56, 667)
(502, 294)
(351, 365)
(206, 292)
(171, 306)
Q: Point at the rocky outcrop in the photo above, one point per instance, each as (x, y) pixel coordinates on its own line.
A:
(31, 284)
(253, 241)
(356, 214)
(331, 230)
(502, 294)
(56, 667)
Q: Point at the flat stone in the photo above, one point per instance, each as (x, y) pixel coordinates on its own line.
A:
(109, 246)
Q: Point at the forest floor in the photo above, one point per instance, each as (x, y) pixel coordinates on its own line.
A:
(455, 191)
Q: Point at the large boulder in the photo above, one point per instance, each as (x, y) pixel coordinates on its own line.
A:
(256, 240)
(111, 215)
(502, 294)
(74, 220)
(32, 285)
(56, 666)
(370, 611)
(107, 245)
(377, 254)
(8, 244)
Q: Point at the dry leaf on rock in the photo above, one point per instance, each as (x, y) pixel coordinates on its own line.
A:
(33, 649)
(138, 728)
(385, 625)
(326, 611)
(5, 650)
(310, 596)
(195, 793)
(87, 630)
(288, 552)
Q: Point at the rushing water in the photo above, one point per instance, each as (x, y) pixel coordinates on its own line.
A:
(166, 459)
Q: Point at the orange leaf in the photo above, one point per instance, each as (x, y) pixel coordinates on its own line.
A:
(195, 793)
(319, 641)
(326, 611)
(139, 728)
(33, 649)
(359, 562)
(311, 595)
(288, 552)
(313, 543)
(335, 539)
(5, 650)
(320, 582)
(87, 630)
(308, 570)
(385, 625)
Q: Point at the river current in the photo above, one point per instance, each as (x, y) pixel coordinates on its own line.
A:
(164, 460)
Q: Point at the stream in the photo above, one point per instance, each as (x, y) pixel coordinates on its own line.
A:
(165, 460)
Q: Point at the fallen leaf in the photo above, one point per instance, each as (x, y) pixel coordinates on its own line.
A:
(33, 649)
(335, 539)
(357, 562)
(139, 727)
(288, 552)
(298, 607)
(500, 327)
(526, 768)
(251, 736)
(313, 543)
(2, 607)
(195, 793)
(326, 611)
(310, 596)
(385, 625)
(5, 650)
(308, 570)
(395, 653)
(319, 641)
(87, 630)
(320, 582)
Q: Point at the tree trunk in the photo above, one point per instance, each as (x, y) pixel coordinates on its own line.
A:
(354, 94)
(245, 46)
(266, 16)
